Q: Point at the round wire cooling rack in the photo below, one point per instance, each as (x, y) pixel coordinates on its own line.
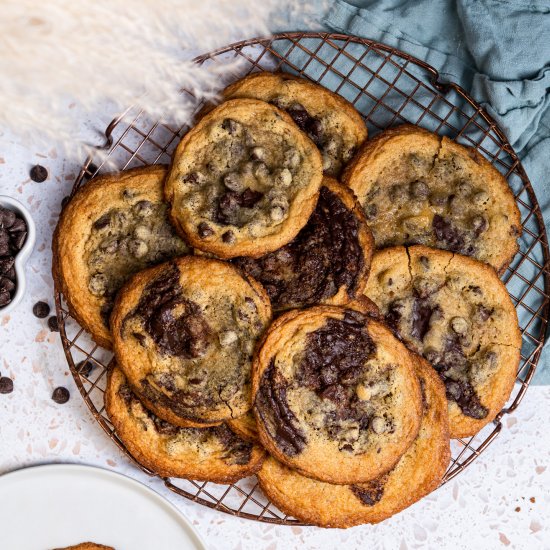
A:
(387, 87)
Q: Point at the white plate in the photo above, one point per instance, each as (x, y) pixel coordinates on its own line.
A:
(58, 505)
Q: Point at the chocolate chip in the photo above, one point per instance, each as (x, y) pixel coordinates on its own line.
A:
(38, 173)
(479, 224)
(10, 273)
(7, 217)
(446, 232)
(204, 230)
(421, 316)
(483, 313)
(5, 298)
(6, 285)
(18, 225)
(143, 208)
(18, 240)
(419, 189)
(53, 324)
(230, 126)
(6, 384)
(103, 221)
(85, 368)
(4, 243)
(61, 395)
(6, 264)
(438, 199)
(370, 211)
(228, 237)
(41, 310)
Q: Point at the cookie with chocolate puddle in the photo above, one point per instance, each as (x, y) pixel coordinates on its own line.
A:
(207, 454)
(184, 334)
(330, 121)
(115, 226)
(455, 312)
(244, 180)
(326, 263)
(420, 188)
(418, 472)
(335, 394)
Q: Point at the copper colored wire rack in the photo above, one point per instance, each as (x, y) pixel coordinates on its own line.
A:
(387, 87)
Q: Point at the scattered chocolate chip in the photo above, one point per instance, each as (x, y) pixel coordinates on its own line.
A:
(204, 230)
(38, 173)
(61, 395)
(6, 384)
(53, 323)
(85, 368)
(41, 310)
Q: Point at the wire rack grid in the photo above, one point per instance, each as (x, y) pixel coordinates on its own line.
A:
(387, 87)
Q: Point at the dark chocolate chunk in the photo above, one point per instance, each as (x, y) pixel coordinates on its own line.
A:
(41, 310)
(371, 492)
(61, 395)
(53, 323)
(38, 173)
(310, 125)
(6, 384)
(4, 243)
(422, 313)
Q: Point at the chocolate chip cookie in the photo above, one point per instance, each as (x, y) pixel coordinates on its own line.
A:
(184, 333)
(455, 312)
(328, 119)
(420, 188)
(244, 180)
(115, 226)
(207, 454)
(326, 263)
(335, 394)
(418, 472)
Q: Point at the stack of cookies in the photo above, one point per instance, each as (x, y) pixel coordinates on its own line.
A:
(293, 300)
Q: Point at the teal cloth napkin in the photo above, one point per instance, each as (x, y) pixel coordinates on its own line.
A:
(499, 51)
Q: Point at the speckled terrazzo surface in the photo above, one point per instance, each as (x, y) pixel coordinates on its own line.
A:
(501, 501)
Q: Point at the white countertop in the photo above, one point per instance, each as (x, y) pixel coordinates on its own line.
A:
(502, 500)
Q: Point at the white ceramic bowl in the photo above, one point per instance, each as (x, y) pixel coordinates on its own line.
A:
(24, 253)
